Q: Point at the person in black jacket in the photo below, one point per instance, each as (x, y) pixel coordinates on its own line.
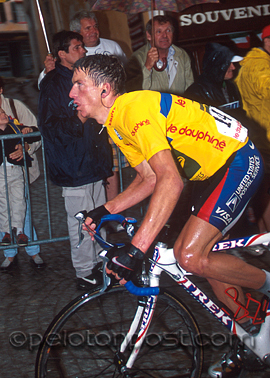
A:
(13, 175)
(77, 152)
(214, 86)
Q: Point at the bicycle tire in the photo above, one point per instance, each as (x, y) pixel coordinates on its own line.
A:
(82, 339)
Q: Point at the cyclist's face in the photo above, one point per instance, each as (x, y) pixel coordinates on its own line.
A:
(86, 95)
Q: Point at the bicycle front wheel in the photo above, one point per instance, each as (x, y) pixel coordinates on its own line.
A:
(83, 339)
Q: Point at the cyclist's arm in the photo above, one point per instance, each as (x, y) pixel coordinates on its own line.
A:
(141, 187)
(167, 188)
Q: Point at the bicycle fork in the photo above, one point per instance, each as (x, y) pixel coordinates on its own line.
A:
(141, 320)
(143, 317)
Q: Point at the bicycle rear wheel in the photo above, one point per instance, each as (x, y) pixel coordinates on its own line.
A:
(84, 337)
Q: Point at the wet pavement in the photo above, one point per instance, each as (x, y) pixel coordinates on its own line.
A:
(30, 298)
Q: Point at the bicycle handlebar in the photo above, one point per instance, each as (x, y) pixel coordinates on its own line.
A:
(128, 224)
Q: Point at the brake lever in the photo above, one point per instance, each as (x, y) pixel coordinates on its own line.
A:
(81, 216)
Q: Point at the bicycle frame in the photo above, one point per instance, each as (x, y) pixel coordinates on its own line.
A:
(164, 261)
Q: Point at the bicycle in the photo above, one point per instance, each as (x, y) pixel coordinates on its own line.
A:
(117, 331)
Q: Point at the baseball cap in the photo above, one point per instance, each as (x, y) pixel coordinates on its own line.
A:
(236, 58)
(266, 32)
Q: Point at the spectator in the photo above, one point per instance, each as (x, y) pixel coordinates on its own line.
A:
(15, 181)
(17, 109)
(77, 152)
(214, 85)
(253, 82)
(141, 74)
(86, 23)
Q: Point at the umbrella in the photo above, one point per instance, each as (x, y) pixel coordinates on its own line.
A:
(138, 6)
(43, 26)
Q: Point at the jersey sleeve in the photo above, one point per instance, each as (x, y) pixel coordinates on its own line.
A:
(142, 133)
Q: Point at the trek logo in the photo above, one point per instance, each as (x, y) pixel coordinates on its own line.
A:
(138, 125)
(147, 313)
(229, 244)
(233, 202)
(223, 215)
(206, 302)
(205, 136)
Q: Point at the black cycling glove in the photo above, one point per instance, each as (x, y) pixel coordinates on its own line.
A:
(97, 213)
(125, 261)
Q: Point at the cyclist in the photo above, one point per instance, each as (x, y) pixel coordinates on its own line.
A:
(162, 134)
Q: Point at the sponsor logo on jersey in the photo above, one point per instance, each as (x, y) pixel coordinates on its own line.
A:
(253, 169)
(138, 125)
(233, 202)
(223, 215)
(205, 136)
(111, 116)
(181, 101)
(118, 135)
(251, 145)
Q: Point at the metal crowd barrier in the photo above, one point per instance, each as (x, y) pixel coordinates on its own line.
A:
(44, 182)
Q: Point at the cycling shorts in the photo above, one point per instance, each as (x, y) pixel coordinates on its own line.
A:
(222, 199)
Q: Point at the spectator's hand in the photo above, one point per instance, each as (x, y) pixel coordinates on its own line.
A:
(26, 146)
(18, 154)
(49, 63)
(27, 130)
(152, 58)
(124, 262)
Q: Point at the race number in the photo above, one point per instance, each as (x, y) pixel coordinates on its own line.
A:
(228, 125)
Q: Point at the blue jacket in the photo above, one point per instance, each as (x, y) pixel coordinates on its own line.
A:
(76, 153)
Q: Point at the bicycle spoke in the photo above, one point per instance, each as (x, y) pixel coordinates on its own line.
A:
(90, 334)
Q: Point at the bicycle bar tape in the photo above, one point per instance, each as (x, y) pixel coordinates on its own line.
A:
(141, 291)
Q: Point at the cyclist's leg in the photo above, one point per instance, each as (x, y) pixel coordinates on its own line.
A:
(193, 251)
(217, 209)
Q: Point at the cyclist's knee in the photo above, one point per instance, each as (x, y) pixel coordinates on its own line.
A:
(191, 261)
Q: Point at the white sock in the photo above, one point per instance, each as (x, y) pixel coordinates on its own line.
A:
(265, 289)
(19, 230)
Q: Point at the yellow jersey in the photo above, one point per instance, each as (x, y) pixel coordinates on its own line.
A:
(202, 138)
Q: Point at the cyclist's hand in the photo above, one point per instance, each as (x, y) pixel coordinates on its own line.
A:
(93, 218)
(124, 262)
